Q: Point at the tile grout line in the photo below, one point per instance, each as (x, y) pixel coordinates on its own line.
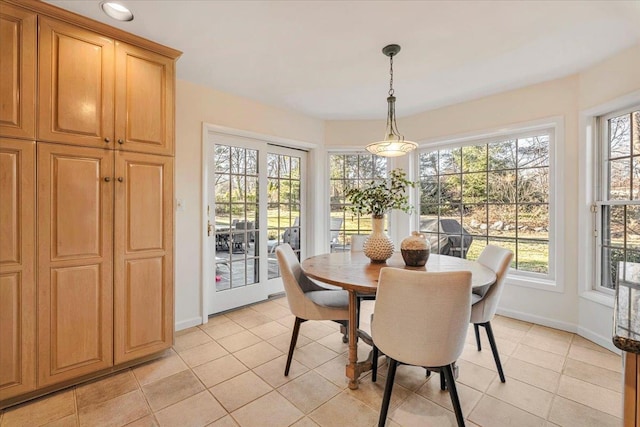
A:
(75, 405)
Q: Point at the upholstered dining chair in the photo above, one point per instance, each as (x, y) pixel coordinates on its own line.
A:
(485, 303)
(307, 299)
(421, 318)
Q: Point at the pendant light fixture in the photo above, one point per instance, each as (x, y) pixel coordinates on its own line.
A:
(393, 144)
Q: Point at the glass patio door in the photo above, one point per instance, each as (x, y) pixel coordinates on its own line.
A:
(254, 204)
(284, 203)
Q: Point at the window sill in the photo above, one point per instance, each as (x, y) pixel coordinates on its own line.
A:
(534, 283)
(598, 297)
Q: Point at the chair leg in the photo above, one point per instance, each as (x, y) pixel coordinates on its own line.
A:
(494, 350)
(386, 399)
(443, 381)
(453, 393)
(292, 346)
(374, 364)
(476, 329)
(344, 330)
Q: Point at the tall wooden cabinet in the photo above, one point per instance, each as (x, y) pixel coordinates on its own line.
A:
(75, 85)
(144, 98)
(86, 199)
(75, 261)
(18, 76)
(99, 92)
(143, 255)
(17, 264)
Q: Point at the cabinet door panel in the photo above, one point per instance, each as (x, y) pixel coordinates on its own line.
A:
(75, 241)
(75, 300)
(17, 264)
(76, 85)
(144, 100)
(18, 76)
(77, 232)
(148, 277)
(143, 293)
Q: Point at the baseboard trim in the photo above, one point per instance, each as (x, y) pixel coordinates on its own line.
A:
(188, 323)
(539, 320)
(599, 339)
(564, 326)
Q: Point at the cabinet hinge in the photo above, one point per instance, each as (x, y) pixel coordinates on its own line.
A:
(594, 208)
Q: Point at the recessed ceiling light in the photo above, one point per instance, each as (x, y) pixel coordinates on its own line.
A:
(116, 11)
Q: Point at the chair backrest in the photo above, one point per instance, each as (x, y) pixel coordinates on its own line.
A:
(292, 236)
(294, 280)
(421, 318)
(357, 242)
(498, 260)
(459, 239)
(336, 224)
(239, 236)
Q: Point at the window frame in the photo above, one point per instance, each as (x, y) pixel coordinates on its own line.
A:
(351, 152)
(553, 280)
(600, 197)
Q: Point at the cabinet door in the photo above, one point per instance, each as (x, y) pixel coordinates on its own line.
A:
(17, 263)
(143, 290)
(75, 85)
(18, 76)
(144, 100)
(75, 261)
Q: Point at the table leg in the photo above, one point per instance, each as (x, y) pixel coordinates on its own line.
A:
(352, 366)
(355, 368)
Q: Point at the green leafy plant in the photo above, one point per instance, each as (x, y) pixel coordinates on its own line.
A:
(377, 197)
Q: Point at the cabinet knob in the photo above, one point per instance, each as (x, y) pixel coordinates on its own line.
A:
(107, 140)
(107, 179)
(120, 141)
(120, 179)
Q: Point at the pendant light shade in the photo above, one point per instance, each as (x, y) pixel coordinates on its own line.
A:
(393, 144)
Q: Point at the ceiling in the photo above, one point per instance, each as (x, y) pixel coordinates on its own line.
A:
(324, 59)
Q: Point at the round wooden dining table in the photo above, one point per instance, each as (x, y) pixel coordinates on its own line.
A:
(355, 273)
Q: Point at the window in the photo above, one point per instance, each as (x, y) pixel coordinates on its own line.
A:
(350, 170)
(491, 191)
(284, 195)
(618, 197)
(236, 217)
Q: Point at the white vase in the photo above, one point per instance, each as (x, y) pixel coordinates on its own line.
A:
(378, 246)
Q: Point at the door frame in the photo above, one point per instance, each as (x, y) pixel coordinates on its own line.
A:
(210, 131)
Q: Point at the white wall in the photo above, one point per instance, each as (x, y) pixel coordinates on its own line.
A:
(196, 105)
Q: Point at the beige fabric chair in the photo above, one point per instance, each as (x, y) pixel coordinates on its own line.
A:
(421, 319)
(307, 299)
(485, 305)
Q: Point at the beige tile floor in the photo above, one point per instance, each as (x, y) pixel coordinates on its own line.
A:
(230, 373)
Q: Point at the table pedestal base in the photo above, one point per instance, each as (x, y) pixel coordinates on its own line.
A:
(354, 368)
